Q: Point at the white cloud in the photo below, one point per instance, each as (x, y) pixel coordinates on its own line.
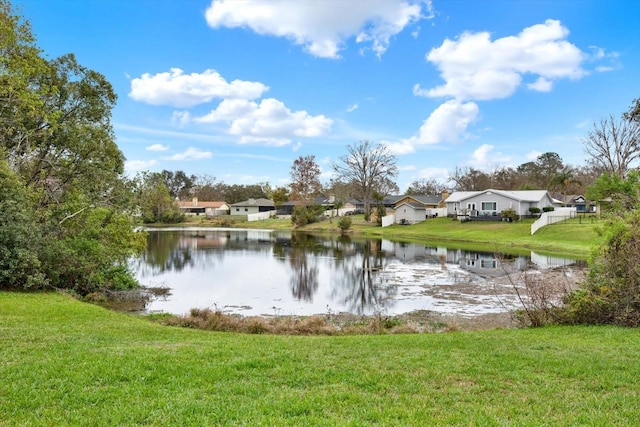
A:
(191, 153)
(532, 155)
(296, 146)
(269, 121)
(439, 174)
(157, 147)
(319, 26)
(485, 156)
(181, 118)
(541, 85)
(138, 165)
(476, 68)
(447, 123)
(352, 108)
(181, 90)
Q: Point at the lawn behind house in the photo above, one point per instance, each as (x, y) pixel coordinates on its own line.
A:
(572, 238)
(64, 362)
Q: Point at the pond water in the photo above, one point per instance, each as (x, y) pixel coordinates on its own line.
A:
(262, 272)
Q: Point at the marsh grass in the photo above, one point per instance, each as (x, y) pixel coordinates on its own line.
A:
(63, 362)
(328, 324)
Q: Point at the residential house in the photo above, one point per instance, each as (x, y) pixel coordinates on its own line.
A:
(196, 207)
(489, 204)
(252, 206)
(579, 202)
(410, 212)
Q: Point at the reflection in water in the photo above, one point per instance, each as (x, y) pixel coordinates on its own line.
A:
(263, 272)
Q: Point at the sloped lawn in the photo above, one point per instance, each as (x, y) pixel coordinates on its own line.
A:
(63, 362)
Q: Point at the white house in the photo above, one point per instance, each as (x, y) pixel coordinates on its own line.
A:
(488, 204)
(196, 207)
(410, 213)
(252, 206)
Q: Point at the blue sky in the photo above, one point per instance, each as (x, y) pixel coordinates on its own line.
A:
(239, 89)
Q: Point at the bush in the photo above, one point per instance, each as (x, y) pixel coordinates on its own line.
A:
(303, 215)
(509, 214)
(534, 211)
(344, 223)
(548, 209)
(610, 292)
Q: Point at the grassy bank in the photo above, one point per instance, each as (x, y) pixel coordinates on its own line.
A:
(573, 238)
(68, 363)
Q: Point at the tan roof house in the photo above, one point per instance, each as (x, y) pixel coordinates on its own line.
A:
(196, 207)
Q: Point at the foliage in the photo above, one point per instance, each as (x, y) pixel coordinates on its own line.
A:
(344, 223)
(65, 204)
(509, 214)
(305, 179)
(369, 168)
(618, 194)
(303, 215)
(155, 201)
(179, 184)
(236, 193)
(548, 209)
(534, 210)
(611, 292)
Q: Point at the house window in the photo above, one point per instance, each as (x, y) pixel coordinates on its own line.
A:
(489, 206)
(246, 209)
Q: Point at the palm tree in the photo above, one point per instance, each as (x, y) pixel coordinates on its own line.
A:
(564, 180)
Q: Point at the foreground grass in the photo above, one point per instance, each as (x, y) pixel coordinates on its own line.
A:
(63, 362)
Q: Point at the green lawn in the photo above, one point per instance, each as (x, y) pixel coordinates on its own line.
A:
(572, 238)
(63, 362)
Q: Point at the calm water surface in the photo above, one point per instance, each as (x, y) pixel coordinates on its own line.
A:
(254, 272)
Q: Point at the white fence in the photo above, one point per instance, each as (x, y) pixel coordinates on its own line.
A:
(260, 215)
(556, 215)
(439, 212)
(388, 220)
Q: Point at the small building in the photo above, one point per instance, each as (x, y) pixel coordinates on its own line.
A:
(579, 202)
(252, 206)
(410, 213)
(196, 207)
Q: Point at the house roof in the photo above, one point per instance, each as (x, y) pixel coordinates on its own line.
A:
(520, 195)
(255, 202)
(414, 205)
(198, 204)
(424, 199)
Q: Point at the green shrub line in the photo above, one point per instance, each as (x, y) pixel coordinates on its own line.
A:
(69, 363)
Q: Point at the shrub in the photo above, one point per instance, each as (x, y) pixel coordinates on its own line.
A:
(548, 209)
(610, 292)
(534, 210)
(344, 223)
(509, 214)
(303, 215)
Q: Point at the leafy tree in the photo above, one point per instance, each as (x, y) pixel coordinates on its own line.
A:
(155, 201)
(61, 170)
(305, 179)
(368, 167)
(470, 179)
(238, 193)
(564, 180)
(179, 184)
(279, 195)
(614, 144)
(623, 193)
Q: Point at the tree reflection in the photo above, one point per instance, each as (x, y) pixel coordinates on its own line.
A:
(361, 287)
(303, 262)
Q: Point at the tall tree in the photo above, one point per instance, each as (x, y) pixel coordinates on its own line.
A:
(368, 167)
(179, 184)
(57, 140)
(424, 186)
(614, 144)
(305, 179)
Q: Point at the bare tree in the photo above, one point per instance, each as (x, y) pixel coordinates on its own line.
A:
(614, 144)
(425, 186)
(305, 181)
(368, 167)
